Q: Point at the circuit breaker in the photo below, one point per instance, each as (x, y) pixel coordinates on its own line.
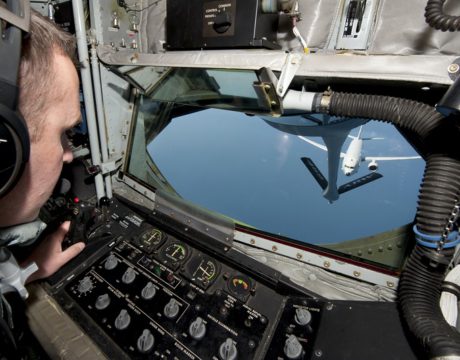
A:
(212, 24)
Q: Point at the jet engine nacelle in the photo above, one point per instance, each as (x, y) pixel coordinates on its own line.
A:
(373, 166)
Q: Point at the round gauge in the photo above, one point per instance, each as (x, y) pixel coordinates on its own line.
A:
(240, 286)
(151, 239)
(176, 252)
(206, 271)
(202, 270)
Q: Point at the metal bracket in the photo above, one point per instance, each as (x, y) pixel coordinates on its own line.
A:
(265, 89)
(21, 21)
(110, 166)
(450, 102)
(104, 168)
(270, 90)
(288, 72)
(267, 97)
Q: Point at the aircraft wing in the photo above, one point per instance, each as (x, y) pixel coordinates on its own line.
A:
(363, 180)
(384, 158)
(320, 146)
(366, 138)
(319, 177)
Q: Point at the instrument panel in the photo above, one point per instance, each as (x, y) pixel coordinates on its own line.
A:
(142, 291)
(146, 308)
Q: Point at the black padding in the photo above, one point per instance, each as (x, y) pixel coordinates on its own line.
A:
(14, 148)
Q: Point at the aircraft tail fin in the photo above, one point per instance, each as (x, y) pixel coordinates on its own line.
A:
(319, 177)
(360, 132)
(357, 137)
(363, 180)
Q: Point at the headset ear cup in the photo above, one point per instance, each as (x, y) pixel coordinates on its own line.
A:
(14, 148)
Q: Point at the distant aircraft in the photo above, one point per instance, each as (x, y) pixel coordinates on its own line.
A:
(334, 132)
(353, 157)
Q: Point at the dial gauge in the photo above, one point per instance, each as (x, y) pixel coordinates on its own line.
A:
(151, 239)
(206, 271)
(240, 286)
(202, 270)
(176, 252)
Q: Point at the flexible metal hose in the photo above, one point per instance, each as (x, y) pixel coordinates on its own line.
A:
(420, 284)
(419, 293)
(435, 17)
(411, 115)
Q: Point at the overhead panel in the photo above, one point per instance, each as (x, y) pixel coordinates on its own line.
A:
(219, 24)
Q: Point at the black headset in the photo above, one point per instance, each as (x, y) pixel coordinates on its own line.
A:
(14, 137)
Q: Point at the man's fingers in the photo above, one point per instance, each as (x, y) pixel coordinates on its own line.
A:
(71, 252)
(65, 226)
(61, 231)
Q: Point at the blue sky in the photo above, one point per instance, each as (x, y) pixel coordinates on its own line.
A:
(242, 167)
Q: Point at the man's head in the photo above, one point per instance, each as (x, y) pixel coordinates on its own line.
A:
(37, 90)
(49, 103)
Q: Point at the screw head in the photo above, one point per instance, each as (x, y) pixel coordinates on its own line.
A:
(453, 68)
(318, 353)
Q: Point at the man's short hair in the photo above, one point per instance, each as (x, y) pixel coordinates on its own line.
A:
(36, 74)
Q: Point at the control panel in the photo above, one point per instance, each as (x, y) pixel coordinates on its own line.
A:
(141, 291)
(163, 305)
(208, 24)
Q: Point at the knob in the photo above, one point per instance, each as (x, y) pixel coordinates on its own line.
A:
(197, 329)
(129, 276)
(145, 341)
(292, 347)
(227, 350)
(123, 319)
(171, 309)
(148, 291)
(85, 284)
(222, 22)
(302, 316)
(102, 301)
(111, 262)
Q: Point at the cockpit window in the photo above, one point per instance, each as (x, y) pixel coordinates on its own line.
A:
(282, 175)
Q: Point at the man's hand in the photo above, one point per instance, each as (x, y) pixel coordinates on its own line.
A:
(48, 255)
